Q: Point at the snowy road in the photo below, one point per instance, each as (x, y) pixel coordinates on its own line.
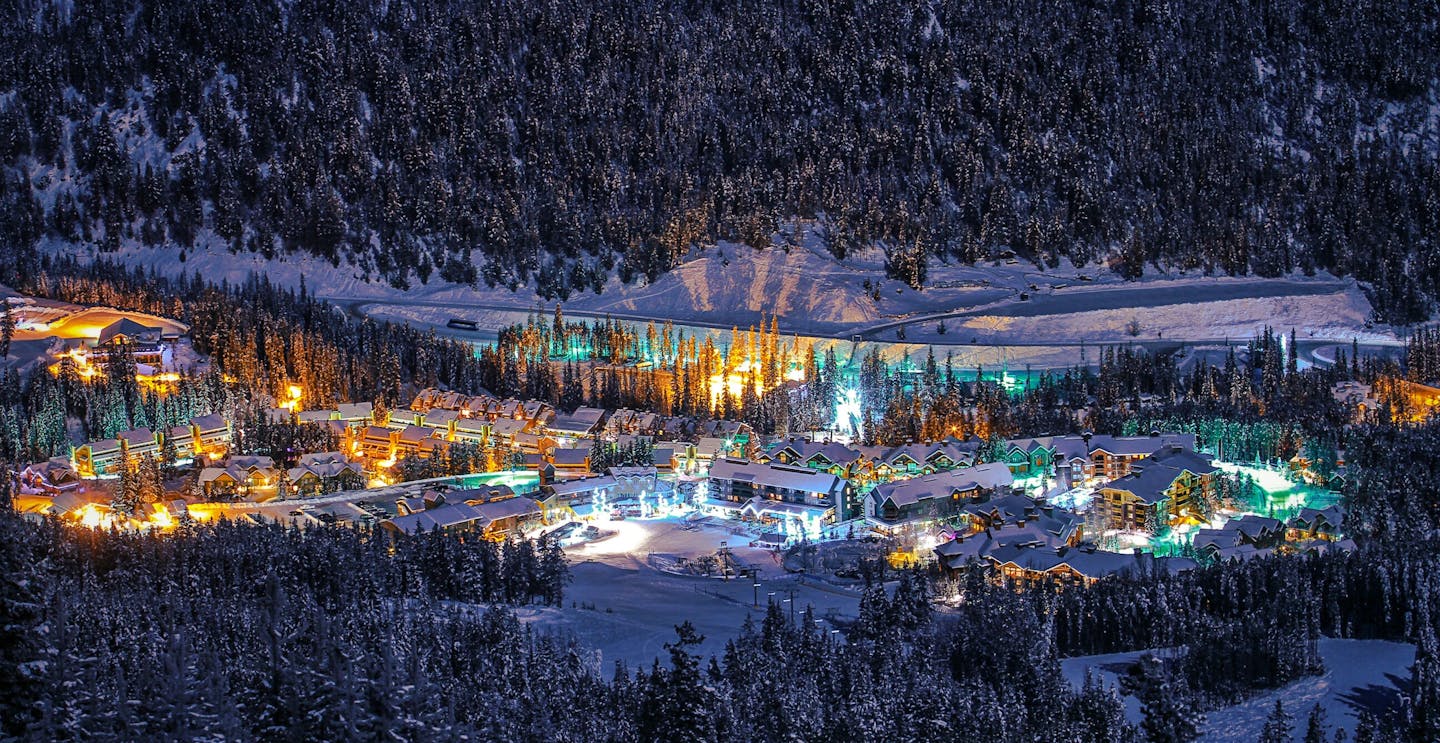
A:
(1138, 296)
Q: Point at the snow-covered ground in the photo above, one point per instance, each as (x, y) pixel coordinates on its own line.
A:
(623, 606)
(1359, 675)
(1008, 304)
(636, 608)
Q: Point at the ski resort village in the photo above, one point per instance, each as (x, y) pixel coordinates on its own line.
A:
(1055, 508)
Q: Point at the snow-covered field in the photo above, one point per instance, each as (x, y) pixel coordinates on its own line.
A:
(1359, 675)
(1009, 304)
(622, 606)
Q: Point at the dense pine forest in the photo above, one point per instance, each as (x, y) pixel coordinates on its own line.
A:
(554, 143)
(224, 632)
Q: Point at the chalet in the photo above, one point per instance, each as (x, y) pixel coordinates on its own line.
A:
(584, 423)
(836, 459)
(426, 500)
(1242, 539)
(1315, 523)
(1050, 525)
(921, 501)
(1111, 457)
(141, 341)
(625, 421)
(240, 474)
(1358, 397)
(738, 481)
(910, 460)
(1037, 565)
(538, 412)
(325, 472)
(476, 406)
(736, 432)
(1157, 492)
(54, 475)
(1029, 456)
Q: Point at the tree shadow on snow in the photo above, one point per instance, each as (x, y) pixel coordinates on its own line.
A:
(1378, 699)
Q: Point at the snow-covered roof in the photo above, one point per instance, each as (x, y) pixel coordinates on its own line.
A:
(797, 479)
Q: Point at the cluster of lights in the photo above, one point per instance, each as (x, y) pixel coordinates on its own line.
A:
(733, 383)
(92, 516)
(292, 399)
(847, 412)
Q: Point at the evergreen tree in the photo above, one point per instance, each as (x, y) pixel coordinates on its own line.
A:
(1278, 727)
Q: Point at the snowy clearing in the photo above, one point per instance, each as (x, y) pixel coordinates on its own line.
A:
(1359, 675)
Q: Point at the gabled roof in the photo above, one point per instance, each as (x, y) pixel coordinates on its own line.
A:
(1030, 446)
(1253, 526)
(924, 453)
(1091, 564)
(322, 457)
(126, 327)
(943, 484)
(250, 461)
(1150, 477)
(1215, 539)
(323, 470)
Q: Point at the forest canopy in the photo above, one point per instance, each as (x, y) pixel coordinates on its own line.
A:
(556, 143)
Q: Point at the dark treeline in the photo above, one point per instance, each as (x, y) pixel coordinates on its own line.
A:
(557, 143)
(248, 633)
(258, 337)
